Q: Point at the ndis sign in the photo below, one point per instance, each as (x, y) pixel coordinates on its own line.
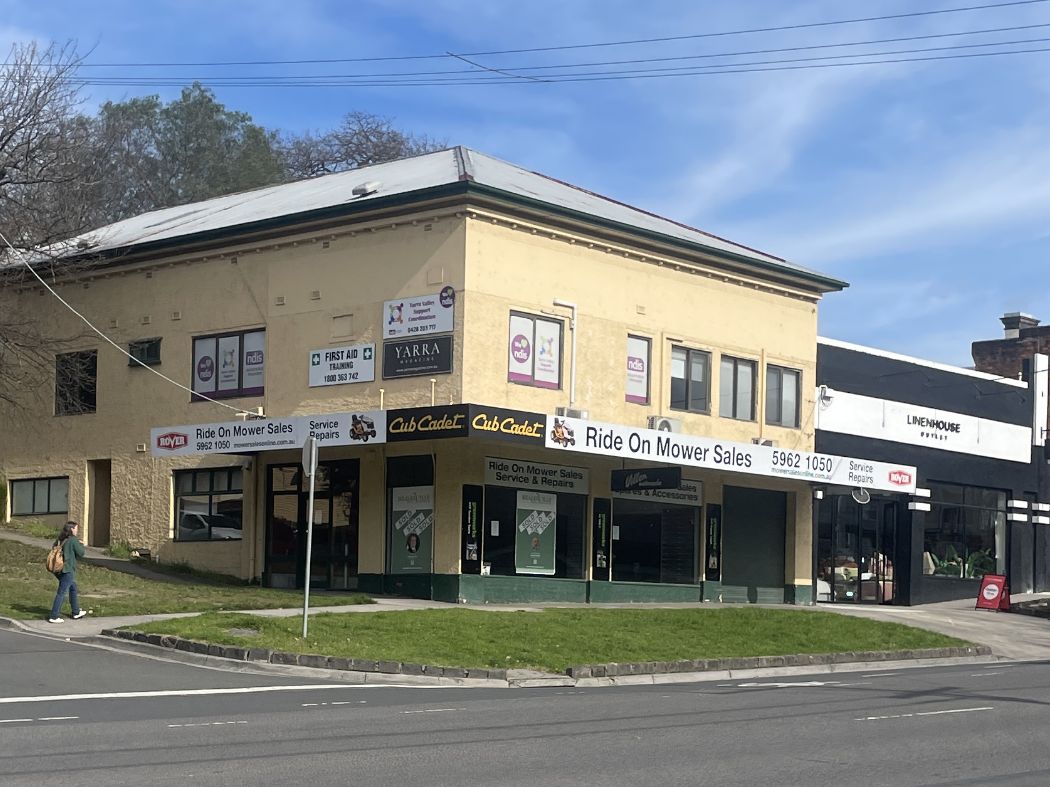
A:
(172, 441)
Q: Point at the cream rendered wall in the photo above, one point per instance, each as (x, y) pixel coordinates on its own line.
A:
(517, 269)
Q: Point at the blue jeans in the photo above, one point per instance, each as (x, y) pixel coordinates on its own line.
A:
(66, 582)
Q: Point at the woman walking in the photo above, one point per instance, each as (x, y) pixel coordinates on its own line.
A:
(67, 577)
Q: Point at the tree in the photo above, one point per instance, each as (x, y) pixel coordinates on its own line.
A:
(361, 139)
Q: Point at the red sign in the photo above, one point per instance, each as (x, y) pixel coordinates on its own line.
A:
(900, 477)
(994, 593)
(172, 441)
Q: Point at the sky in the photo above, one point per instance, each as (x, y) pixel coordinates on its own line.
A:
(925, 185)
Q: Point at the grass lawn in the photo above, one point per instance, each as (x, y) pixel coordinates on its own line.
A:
(27, 590)
(32, 527)
(556, 639)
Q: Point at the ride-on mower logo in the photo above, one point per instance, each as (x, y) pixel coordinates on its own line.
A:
(900, 477)
(172, 441)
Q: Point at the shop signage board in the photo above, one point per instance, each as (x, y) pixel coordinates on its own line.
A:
(994, 593)
(605, 439)
(420, 314)
(269, 434)
(417, 357)
(427, 423)
(535, 532)
(526, 474)
(498, 423)
(412, 521)
(688, 493)
(349, 363)
(898, 422)
(637, 479)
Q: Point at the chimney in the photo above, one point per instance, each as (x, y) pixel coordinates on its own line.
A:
(1015, 322)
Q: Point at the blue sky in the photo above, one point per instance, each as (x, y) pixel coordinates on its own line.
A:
(925, 185)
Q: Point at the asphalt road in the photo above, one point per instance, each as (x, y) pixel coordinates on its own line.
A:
(177, 724)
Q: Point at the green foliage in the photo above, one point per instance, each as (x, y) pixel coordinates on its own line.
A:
(36, 528)
(119, 549)
(555, 639)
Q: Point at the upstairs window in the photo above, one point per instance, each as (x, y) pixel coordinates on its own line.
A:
(535, 351)
(690, 380)
(76, 377)
(145, 351)
(229, 364)
(736, 389)
(782, 396)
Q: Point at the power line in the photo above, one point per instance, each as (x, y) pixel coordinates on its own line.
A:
(565, 47)
(21, 257)
(595, 77)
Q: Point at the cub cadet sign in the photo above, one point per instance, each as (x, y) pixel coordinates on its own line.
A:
(593, 437)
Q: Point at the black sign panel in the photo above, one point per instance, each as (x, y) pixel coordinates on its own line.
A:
(512, 425)
(426, 423)
(416, 357)
(471, 524)
(601, 538)
(639, 479)
(713, 566)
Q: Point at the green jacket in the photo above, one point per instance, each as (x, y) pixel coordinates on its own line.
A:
(71, 550)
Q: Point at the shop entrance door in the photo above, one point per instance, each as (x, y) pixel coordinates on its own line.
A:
(858, 549)
(333, 562)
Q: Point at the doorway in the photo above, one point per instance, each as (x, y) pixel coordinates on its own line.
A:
(857, 550)
(333, 559)
(98, 518)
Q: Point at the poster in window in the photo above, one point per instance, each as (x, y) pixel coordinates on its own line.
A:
(638, 350)
(535, 532)
(521, 349)
(229, 363)
(254, 360)
(547, 371)
(204, 365)
(412, 519)
(601, 538)
(471, 535)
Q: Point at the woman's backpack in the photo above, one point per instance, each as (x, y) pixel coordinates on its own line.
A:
(55, 561)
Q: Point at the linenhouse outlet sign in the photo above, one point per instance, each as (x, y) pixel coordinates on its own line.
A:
(593, 437)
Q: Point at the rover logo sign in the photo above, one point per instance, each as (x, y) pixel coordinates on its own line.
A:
(172, 441)
(900, 477)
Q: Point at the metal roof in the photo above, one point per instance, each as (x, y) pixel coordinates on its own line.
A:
(401, 178)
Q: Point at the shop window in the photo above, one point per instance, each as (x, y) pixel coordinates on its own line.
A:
(965, 532)
(690, 380)
(229, 364)
(655, 543)
(535, 354)
(410, 509)
(76, 378)
(508, 551)
(40, 496)
(736, 389)
(144, 352)
(209, 504)
(782, 396)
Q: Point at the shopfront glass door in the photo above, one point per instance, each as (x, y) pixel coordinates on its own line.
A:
(857, 550)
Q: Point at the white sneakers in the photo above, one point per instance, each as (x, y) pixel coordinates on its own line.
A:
(55, 620)
(81, 614)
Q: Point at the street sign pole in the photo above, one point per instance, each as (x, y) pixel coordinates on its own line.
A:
(310, 470)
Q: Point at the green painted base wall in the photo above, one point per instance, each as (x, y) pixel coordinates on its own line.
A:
(627, 592)
(750, 594)
(474, 589)
(800, 595)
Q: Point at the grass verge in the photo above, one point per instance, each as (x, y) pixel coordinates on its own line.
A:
(32, 527)
(27, 590)
(556, 639)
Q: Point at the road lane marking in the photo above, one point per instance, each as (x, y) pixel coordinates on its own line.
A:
(57, 718)
(786, 685)
(984, 674)
(13, 721)
(343, 702)
(923, 713)
(880, 675)
(208, 724)
(121, 695)
(433, 710)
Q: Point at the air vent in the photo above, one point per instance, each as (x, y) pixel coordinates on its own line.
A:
(278, 301)
(763, 441)
(146, 319)
(149, 274)
(326, 244)
(571, 412)
(141, 448)
(114, 323)
(662, 424)
(366, 188)
(315, 295)
(176, 315)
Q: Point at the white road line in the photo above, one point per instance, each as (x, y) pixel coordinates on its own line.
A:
(880, 675)
(57, 718)
(433, 710)
(923, 713)
(344, 702)
(984, 674)
(13, 721)
(120, 695)
(208, 724)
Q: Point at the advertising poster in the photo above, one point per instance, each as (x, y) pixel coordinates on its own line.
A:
(229, 363)
(638, 349)
(473, 498)
(521, 350)
(601, 538)
(254, 360)
(414, 357)
(420, 314)
(547, 372)
(412, 520)
(534, 539)
(204, 365)
(350, 363)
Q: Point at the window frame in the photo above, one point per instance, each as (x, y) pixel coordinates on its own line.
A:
(737, 363)
(689, 353)
(86, 401)
(211, 492)
(233, 393)
(520, 378)
(144, 352)
(37, 511)
(780, 369)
